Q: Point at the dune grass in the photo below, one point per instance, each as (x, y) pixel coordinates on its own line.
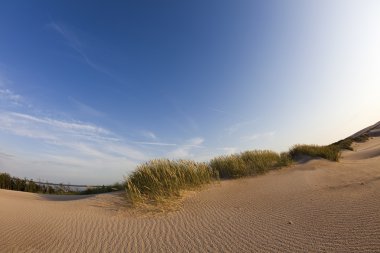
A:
(285, 159)
(249, 163)
(230, 166)
(160, 179)
(346, 143)
(361, 138)
(330, 152)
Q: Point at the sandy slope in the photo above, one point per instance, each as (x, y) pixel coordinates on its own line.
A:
(318, 206)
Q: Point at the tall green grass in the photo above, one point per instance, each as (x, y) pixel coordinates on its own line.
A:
(162, 178)
(331, 152)
(249, 163)
(230, 166)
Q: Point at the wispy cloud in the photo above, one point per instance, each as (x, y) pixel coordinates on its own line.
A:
(86, 109)
(6, 155)
(73, 41)
(7, 95)
(148, 135)
(257, 136)
(185, 150)
(218, 110)
(194, 142)
(229, 150)
(52, 125)
(11, 123)
(238, 126)
(154, 143)
(184, 121)
(78, 138)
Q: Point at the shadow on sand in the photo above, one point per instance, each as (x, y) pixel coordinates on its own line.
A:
(302, 159)
(53, 197)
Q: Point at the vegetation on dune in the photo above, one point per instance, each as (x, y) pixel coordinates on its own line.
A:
(346, 143)
(230, 166)
(361, 138)
(248, 163)
(285, 159)
(162, 178)
(331, 152)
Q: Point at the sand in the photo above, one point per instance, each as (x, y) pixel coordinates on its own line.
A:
(316, 206)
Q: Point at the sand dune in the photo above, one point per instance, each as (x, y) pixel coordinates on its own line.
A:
(317, 206)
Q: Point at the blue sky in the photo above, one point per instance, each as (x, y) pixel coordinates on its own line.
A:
(90, 89)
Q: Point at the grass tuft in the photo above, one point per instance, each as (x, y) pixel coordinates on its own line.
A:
(229, 166)
(162, 178)
(331, 152)
(260, 161)
(249, 163)
(344, 144)
(285, 159)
